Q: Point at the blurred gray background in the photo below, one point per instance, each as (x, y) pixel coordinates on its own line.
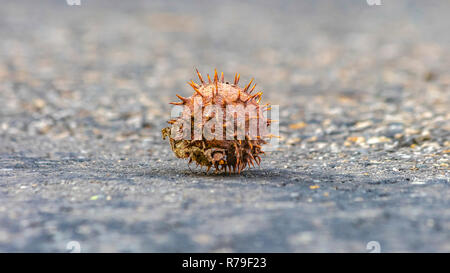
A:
(364, 125)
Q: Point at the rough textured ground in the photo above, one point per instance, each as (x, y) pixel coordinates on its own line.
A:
(364, 98)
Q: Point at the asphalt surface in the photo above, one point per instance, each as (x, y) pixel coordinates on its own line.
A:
(364, 123)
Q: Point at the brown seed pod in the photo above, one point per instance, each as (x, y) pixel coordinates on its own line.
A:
(221, 125)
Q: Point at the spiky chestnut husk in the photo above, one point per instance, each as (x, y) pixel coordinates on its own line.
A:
(232, 155)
